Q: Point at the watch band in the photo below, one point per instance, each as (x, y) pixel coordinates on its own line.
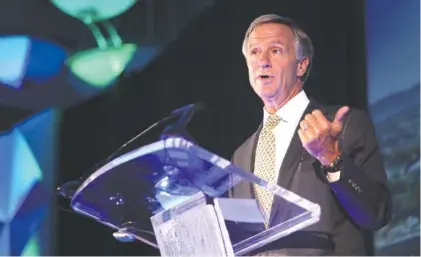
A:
(334, 166)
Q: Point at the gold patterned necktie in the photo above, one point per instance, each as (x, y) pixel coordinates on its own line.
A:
(264, 166)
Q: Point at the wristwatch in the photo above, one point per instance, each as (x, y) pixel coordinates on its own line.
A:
(334, 166)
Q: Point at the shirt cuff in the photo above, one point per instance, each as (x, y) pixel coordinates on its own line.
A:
(333, 177)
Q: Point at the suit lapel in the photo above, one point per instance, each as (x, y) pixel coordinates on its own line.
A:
(294, 153)
(246, 162)
(293, 157)
(254, 141)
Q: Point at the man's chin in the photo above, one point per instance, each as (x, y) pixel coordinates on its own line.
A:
(268, 96)
(266, 92)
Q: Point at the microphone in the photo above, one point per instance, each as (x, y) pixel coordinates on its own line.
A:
(190, 107)
(186, 112)
(178, 128)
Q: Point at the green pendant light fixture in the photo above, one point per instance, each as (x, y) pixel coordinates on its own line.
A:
(102, 65)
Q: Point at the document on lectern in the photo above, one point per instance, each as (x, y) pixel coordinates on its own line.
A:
(240, 210)
(242, 217)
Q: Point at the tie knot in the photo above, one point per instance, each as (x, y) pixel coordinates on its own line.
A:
(272, 121)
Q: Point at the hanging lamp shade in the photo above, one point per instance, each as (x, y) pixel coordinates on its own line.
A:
(103, 9)
(100, 67)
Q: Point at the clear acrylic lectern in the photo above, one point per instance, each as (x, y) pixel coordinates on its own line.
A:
(172, 194)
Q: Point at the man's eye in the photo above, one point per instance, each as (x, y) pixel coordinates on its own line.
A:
(254, 51)
(278, 51)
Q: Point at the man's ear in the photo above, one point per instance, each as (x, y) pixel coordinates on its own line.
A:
(302, 67)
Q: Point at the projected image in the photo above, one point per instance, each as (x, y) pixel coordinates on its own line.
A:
(397, 125)
(393, 51)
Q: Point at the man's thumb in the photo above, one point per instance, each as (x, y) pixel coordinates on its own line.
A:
(337, 122)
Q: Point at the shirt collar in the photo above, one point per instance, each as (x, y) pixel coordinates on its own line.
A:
(292, 111)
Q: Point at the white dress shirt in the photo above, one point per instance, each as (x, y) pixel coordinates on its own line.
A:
(290, 115)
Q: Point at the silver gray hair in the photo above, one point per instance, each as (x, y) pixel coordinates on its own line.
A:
(303, 44)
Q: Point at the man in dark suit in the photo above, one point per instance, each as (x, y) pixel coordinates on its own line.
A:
(325, 154)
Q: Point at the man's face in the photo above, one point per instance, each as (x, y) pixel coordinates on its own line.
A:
(272, 62)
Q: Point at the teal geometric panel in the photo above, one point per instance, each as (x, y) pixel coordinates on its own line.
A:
(4, 239)
(27, 165)
(32, 248)
(13, 59)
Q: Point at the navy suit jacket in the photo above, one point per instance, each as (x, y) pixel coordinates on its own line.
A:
(359, 202)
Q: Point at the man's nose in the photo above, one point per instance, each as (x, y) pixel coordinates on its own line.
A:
(264, 61)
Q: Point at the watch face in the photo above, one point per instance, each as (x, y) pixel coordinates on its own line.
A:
(328, 170)
(334, 167)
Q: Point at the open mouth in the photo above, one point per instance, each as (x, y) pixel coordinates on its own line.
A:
(264, 77)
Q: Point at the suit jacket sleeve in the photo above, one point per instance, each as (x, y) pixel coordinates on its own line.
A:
(362, 189)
